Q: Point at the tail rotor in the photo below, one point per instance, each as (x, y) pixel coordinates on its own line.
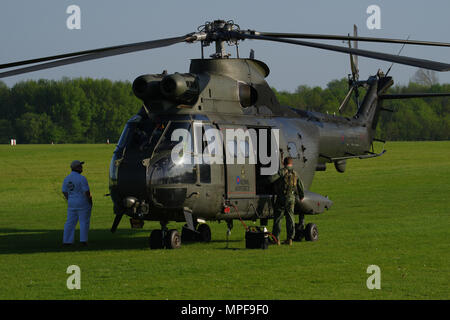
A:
(353, 79)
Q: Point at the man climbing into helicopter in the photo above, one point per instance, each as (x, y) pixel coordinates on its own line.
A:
(287, 188)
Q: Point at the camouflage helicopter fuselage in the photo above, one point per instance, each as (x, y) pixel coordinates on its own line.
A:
(224, 94)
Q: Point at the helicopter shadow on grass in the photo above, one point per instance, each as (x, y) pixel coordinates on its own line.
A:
(227, 246)
(22, 241)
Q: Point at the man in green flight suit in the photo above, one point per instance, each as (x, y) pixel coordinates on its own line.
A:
(287, 187)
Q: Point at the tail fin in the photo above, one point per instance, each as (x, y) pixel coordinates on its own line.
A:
(369, 111)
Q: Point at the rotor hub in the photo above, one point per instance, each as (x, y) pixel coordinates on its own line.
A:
(220, 32)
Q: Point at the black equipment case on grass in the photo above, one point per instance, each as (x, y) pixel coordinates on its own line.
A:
(256, 238)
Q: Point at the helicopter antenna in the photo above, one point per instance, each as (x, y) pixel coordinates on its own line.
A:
(401, 49)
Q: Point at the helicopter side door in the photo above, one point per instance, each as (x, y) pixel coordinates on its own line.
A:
(264, 185)
(210, 181)
(239, 167)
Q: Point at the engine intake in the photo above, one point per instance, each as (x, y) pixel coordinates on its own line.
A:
(247, 95)
(180, 87)
(147, 87)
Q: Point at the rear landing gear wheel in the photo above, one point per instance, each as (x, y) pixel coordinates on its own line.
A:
(311, 232)
(156, 240)
(299, 232)
(204, 234)
(172, 239)
(187, 234)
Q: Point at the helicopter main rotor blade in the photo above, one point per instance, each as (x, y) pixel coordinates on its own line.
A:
(75, 57)
(345, 38)
(413, 95)
(421, 63)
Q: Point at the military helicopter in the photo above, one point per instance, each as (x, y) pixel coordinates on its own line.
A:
(222, 93)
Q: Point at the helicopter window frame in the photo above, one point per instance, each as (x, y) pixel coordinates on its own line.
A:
(169, 127)
(205, 168)
(127, 133)
(194, 166)
(160, 138)
(184, 174)
(123, 137)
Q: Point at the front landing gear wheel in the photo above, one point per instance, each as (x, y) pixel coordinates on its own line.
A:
(172, 239)
(156, 240)
(204, 233)
(311, 232)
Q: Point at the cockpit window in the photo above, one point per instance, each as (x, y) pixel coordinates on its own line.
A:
(128, 132)
(165, 171)
(141, 134)
(148, 135)
(166, 142)
(123, 137)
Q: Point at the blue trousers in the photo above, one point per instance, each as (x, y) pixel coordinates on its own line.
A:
(73, 215)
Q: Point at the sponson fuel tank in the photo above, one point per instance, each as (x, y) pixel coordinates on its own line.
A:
(313, 203)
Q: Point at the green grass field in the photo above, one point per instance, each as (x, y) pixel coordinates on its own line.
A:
(391, 211)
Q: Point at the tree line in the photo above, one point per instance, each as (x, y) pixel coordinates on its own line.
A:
(88, 110)
(412, 119)
(65, 111)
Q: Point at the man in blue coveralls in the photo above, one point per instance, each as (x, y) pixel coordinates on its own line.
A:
(79, 204)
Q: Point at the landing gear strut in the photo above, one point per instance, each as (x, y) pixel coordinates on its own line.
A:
(165, 238)
(187, 234)
(308, 232)
(202, 233)
(229, 227)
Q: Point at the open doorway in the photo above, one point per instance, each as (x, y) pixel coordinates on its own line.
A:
(263, 186)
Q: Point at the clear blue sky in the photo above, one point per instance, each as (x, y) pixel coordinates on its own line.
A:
(30, 29)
